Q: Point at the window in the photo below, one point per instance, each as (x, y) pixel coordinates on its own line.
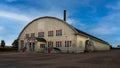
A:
(42, 45)
(32, 35)
(27, 36)
(80, 43)
(67, 43)
(22, 43)
(41, 34)
(58, 32)
(50, 44)
(58, 43)
(50, 33)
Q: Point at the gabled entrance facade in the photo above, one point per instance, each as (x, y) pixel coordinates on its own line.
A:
(34, 44)
(31, 46)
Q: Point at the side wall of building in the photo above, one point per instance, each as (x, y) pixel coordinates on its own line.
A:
(99, 46)
(81, 43)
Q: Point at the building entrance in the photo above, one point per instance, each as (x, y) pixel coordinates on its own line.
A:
(89, 46)
(32, 46)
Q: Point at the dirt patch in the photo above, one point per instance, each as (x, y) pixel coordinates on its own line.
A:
(107, 59)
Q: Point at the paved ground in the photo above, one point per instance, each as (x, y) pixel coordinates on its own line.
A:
(108, 59)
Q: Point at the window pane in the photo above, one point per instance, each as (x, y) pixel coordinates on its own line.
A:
(41, 34)
(32, 34)
(50, 33)
(42, 45)
(58, 32)
(80, 44)
(27, 35)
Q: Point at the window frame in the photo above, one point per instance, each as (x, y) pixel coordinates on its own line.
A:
(58, 43)
(68, 43)
(32, 35)
(80, 43)
(40, 34)
(59, 32)
(27, 36)
(42, 45)
(50, 33)
(50, 43)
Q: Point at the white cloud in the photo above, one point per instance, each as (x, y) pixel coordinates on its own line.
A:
(112, 20)
(70, 20)
(104, 30)
(107, 25)
(115, 6)
(76, 23)
(51, 12)
(14, 16)
(2, 30)
(10, 1)
(54, 13)
(9, 39)
(51, 9)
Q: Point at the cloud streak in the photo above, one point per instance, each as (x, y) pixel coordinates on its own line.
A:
(89, 15)
(109, 24)
(10, 1)
(2, 30)
(14, 16)
(115, 6)
(104, 30)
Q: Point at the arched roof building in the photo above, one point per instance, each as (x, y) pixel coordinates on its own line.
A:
(50, 32)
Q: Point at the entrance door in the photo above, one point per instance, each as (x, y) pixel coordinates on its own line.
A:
(32, 46)
(89, 46)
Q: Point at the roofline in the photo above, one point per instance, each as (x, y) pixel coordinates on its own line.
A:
(74, 29)
(90, 36)
(46, 17)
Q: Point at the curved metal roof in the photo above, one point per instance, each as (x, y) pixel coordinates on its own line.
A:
(47, 17)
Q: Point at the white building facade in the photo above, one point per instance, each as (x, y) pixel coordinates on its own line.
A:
(57, 35)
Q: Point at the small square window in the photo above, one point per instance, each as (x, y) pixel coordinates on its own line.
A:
(67, 43)
(50, 44)
(42, 45)
(27, 35)
(32, 34)
(40, 34)
(58, 32)
(50, 33)
(58, 43)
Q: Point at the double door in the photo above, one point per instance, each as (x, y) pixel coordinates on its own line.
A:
(32, 46)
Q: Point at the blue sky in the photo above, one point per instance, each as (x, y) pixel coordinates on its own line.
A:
(100, 18)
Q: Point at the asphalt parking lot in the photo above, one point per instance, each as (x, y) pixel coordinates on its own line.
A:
(107, 59)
